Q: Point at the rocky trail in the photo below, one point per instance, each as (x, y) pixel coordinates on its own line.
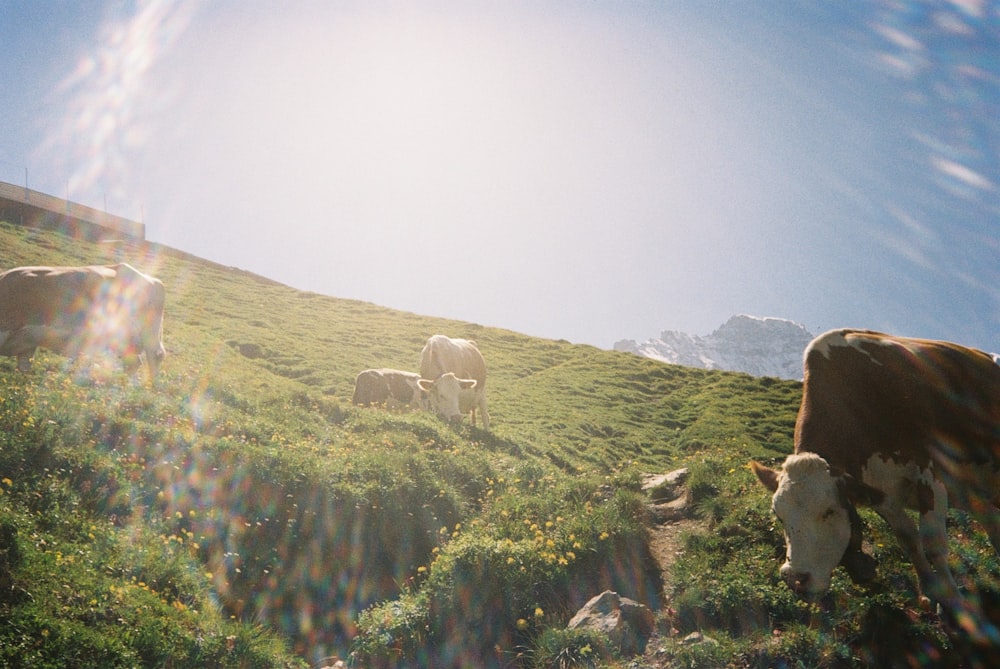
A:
(671, 519)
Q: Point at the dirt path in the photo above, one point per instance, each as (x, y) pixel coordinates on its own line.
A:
(666, 545)
(670, 522)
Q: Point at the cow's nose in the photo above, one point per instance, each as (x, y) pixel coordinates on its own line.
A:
(798, 581)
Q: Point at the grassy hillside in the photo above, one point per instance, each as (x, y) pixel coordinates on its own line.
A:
(244, 504)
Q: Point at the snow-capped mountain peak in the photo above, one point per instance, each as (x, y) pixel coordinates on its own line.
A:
(751, 344)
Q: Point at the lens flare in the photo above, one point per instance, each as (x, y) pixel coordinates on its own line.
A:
(106, 97)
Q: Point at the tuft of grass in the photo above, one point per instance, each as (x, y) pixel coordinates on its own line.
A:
(569, 649)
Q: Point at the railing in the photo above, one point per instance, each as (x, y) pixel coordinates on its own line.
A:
(11, 194)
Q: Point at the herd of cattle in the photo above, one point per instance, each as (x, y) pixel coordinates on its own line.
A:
(451, 382)
(889, 422)
(81, 311)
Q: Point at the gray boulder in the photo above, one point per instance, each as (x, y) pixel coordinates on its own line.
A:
(625, 622)
(669, 499)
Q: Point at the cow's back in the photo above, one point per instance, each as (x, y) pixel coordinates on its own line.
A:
(51, 296)
(402, 385)
(866, 393)
(443, 354)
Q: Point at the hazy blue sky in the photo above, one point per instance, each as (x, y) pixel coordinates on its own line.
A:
(583, 170)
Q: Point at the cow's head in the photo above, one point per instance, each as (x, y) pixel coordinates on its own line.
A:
(445, 395)
(816, 506)
(422, 398)
(135, 312)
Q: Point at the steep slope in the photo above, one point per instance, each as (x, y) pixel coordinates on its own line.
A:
(250, 447)
(246, 479)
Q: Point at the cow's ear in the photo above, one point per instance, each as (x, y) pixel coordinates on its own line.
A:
(860, 493)
(767, 476)
(467, 383)
(425, 384)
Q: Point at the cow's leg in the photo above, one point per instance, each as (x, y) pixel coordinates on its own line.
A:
(482, 410)
(908, 535)
(988, 515)
(965, 613)
(24, 361)
(927, 546)
(976, 499)
(934, 541)
(153, 361)
(21, 343)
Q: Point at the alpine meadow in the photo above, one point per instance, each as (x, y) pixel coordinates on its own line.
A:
(242, 512)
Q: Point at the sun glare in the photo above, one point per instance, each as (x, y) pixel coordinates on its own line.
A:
(95, 138)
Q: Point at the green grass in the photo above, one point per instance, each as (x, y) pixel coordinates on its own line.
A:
(243, 513)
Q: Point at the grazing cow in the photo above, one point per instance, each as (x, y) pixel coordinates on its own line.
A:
(81, 311)
(391, 387)
(453, 373)
(893, 423)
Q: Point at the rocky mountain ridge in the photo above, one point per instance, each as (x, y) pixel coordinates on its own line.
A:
(751, 344)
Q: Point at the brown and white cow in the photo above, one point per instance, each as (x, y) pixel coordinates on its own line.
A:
(82, 311)
(453, 372)
(390, 387)
(896, 424)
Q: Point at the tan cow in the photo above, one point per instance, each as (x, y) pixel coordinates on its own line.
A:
(82, 311)
(453, 372)
(392, 388)
(896, 424)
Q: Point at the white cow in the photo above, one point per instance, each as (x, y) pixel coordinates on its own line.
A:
(81, 311)
(453, 373)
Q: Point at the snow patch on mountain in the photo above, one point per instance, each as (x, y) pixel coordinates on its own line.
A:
(757, 346)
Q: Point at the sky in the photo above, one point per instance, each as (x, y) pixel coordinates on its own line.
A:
(589, 171)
